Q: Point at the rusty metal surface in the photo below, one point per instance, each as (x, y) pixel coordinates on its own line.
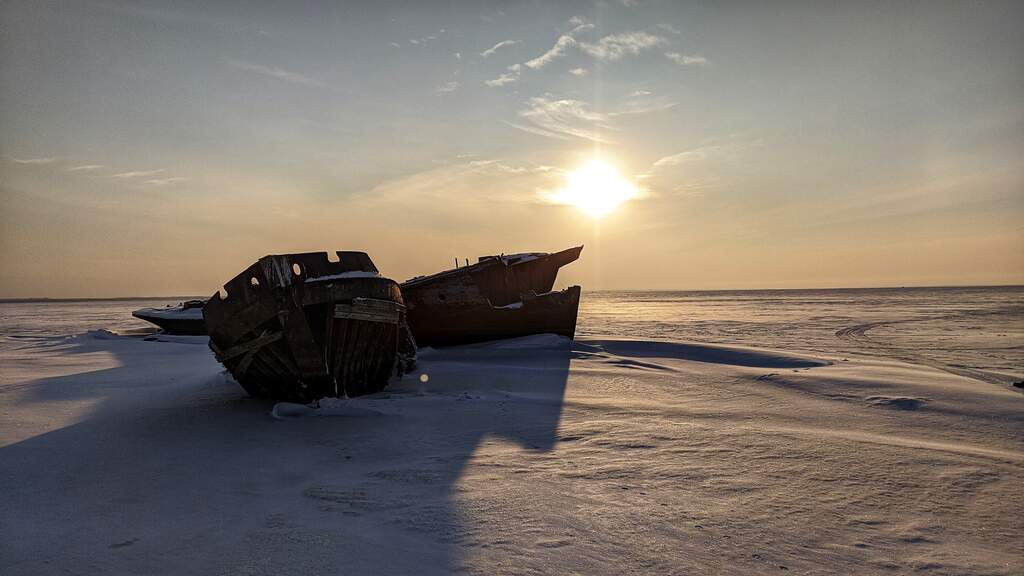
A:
(501, 279)
(277, 329)
(549, 313)
(495, 298)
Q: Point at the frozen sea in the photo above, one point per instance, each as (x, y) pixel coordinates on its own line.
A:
(977, 331)
(799, 432)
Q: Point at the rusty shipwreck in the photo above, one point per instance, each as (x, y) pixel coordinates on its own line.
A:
(500, 296)
(301, 327)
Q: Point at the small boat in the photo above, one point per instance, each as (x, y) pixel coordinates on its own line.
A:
(502, 296)
(300, 327)
(185, 319)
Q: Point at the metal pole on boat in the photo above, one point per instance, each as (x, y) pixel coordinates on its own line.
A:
(456, 262)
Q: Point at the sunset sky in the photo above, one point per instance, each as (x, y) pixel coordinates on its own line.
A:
(155, 148)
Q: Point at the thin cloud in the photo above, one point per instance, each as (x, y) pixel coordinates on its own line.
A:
(85, 168)
(536, 130)
(503, 44)
(164, 181)
(273, 72)
(578, 71)
(610, 48)
(687, 59)
(615, 46)
(439, 187)
(579, 24)
(727, 150)
(644, 107)
(137, 174)
(669, 28)
(424, 40)
(564, 117)
(508, 77)
(33, 160)
(448, 87)
(693, 155)
(564, 41)
(642, 101)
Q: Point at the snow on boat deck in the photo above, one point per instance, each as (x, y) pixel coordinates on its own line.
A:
(174, 313)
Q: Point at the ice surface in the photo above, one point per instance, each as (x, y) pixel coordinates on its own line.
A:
(737, 436)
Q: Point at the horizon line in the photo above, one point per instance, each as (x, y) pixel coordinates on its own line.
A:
(30, 299)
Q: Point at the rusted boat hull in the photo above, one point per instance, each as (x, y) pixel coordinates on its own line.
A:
(300, 327)
(549, 313)
(498, 297)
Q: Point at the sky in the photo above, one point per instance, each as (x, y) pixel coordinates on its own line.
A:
(151, 148)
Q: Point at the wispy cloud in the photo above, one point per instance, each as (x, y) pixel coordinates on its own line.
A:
(506, 78)
(33, 160)
(448, 87)
(564, 41)
(579, 24)
(610, 48)
(693, 155)
(562, 118)
(643, 106)
(164, 181)
(642, 101)
(85, 168)
(273, 72)
(615, 46)
(436, 189)
(424, 40)
(669, 28)
(687, 59)
(728, 149)
(137, 174)
(503, 44)
(699, 170)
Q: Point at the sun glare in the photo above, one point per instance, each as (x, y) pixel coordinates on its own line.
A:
(595, 188)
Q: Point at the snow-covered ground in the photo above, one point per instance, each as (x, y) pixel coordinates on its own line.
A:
(777, 433)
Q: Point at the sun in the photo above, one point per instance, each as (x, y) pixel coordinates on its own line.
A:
(596, 189)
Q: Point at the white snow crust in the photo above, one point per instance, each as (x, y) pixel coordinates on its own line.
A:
(823, 454)
(355, 274)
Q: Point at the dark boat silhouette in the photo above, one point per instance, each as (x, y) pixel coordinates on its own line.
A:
(185, 319)
(502, 296)
(300, 327)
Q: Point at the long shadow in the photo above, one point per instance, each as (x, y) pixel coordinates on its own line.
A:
(174, 470)
(709, 353)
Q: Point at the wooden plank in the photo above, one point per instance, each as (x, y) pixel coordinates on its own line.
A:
(244, 347)
(369, 310)
(305, 352)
